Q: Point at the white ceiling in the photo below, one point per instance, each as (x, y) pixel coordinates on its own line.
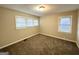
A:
(49, 8)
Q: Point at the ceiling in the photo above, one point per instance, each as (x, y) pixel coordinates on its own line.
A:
(49, 8)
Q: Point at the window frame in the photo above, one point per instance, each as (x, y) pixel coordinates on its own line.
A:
(59, 30)
(26, 22)
(33, 24)
(15, 22)
(29, 26)
(37, 22)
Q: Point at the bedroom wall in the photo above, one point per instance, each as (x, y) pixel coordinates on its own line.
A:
(78, 31)
(8, 32)
(49, 26)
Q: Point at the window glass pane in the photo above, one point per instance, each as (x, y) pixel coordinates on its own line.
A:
(35, 22)
(65, 20)
(29, 23)
(20, 22)
(65, 24)
(65, 28)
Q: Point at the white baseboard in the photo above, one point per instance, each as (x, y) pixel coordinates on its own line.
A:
(57, 37)
(34, 35)
(17, 41)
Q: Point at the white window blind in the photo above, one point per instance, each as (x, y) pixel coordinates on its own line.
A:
(22, 22)
(35, 22)
(29, 23)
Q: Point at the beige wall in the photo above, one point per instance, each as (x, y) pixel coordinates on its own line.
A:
(49, 25)
(78, 31)
(8, 31)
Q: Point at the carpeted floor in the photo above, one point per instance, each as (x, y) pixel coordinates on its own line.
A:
(43, 45)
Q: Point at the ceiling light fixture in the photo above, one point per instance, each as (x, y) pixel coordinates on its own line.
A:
(41, 8)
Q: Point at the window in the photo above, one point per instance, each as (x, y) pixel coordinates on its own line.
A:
(35, 22)
(20, 22)
(29, 23)
(65, 24)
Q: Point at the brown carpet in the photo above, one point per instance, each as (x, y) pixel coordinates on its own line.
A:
(43, 45)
